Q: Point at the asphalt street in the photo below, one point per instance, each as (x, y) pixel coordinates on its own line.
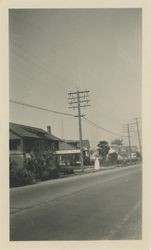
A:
(104, 205)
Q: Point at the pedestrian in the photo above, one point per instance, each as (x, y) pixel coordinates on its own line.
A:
(97, 160)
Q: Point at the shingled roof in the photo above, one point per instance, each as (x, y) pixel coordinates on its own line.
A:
(30, 132)
(85, 143)
(65, 146)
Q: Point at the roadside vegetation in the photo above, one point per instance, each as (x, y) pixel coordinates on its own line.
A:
(37, 168)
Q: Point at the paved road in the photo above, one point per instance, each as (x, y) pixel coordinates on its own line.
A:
(98, 206)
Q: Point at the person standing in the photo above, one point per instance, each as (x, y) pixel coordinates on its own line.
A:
(97, 160)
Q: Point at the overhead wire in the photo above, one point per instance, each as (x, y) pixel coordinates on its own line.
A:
(36, 62)
(40, 108)
(43, 65)
(27, 57)
(102, 128)
(63, 113)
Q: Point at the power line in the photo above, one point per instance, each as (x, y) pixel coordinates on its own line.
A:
(25, 56)
(26, 51)
(62, 113)
(40, 108)
(100, 127)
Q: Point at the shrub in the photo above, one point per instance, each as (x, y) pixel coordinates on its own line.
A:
(49, 174)
(54, 173)
(45, 175)
(113, 157)
(35, 166)
(20, 176)
(33, 169)
(66, 170)
(30, 165)
(26, 177)
(13, 176)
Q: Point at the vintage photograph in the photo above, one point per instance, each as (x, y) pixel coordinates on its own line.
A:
(75, 124)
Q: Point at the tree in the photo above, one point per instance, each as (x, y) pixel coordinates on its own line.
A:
(103, 148)
(113, 157)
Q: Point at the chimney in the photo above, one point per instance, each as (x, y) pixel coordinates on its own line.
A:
(49, 130)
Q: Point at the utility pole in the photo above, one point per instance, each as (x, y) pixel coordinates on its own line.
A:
(129, 140)
(138, 134)
(62, 130)
(78, 100)
(127, 126)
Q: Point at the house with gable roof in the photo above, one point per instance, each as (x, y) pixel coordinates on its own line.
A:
(24, 140)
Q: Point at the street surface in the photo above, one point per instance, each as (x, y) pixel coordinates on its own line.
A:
(96, 206)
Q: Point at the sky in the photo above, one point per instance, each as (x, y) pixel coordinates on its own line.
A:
(56, 51)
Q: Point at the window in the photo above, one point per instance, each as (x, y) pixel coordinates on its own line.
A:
(13, 144)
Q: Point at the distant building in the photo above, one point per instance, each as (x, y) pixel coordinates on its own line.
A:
(85, 146)
(69, 152)
(76, 144)
(123, 150)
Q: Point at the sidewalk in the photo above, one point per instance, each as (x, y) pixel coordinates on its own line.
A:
(91, 169)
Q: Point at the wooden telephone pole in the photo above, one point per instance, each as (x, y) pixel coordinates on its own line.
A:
(127, 127)
(78, 100)
(138, 134)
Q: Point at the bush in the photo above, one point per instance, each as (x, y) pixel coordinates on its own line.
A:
(54, 173)
(66, 170)
(49, 174)
(33, 169)
(45, 175)
(113, 157)
(43, 169)
(20, 176)
(35, 166)
(26, 177)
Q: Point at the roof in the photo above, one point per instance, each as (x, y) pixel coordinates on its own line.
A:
(67, 152)
(13, 136)
(30, 132)
(85, 143)
(65, 146)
